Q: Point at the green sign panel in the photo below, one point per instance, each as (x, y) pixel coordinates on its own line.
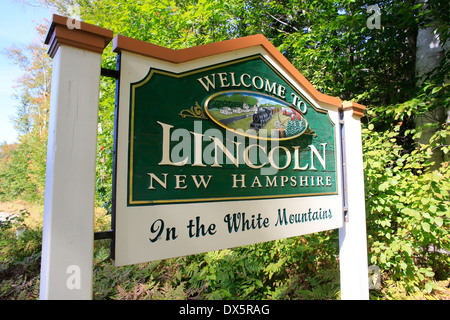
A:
(233, 131)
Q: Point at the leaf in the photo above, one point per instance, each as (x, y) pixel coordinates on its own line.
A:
(425, 226)
(432, 208)
(407, 248)
(428, 287)
(395, 246)
(436, 89)
(429, 273)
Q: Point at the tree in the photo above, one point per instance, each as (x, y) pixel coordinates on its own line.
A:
(430, 54)
(330, 43)
(22, 174)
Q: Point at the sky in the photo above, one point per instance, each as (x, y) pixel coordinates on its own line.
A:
(17, 27)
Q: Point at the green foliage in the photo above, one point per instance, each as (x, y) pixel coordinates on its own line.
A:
(20, 254)
(22, 166)
(329, 42)
(408, 208)
(295, 268)
(272, 270)
(22, 169)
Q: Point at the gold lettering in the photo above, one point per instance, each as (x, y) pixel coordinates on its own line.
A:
(179, 180)
(242, 181)
(161, 183)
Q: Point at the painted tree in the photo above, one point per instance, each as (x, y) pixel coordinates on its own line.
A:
(290, 128)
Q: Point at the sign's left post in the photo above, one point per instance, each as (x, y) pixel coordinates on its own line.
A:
(68, 227)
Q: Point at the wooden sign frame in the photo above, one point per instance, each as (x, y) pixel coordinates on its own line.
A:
(66, 271)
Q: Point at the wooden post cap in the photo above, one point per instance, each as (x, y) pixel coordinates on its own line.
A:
(77, 34)
(358, 109)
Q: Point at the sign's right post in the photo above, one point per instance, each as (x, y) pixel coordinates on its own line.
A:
(353, 236)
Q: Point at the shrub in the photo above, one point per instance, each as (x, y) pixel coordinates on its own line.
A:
(20, 255)
(408, 207)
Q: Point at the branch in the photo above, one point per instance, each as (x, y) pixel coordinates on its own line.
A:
(282, 22)
(279, 30)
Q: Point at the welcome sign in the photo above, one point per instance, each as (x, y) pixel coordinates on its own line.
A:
(239, 126)
(216, 146)
(219, 146)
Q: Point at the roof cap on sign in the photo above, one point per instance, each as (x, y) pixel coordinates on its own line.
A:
(122, 43)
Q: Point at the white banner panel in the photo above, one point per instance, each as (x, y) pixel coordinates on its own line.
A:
(220, 151)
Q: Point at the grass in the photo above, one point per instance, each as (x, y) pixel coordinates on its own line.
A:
(34, 213)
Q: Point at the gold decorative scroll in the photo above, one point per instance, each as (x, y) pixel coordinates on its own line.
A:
(311, 132)
(195, 112)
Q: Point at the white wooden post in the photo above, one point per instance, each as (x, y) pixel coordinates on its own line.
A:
(68, 228)
(353, 236)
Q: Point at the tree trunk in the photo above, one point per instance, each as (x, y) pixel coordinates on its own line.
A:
(429, 55)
